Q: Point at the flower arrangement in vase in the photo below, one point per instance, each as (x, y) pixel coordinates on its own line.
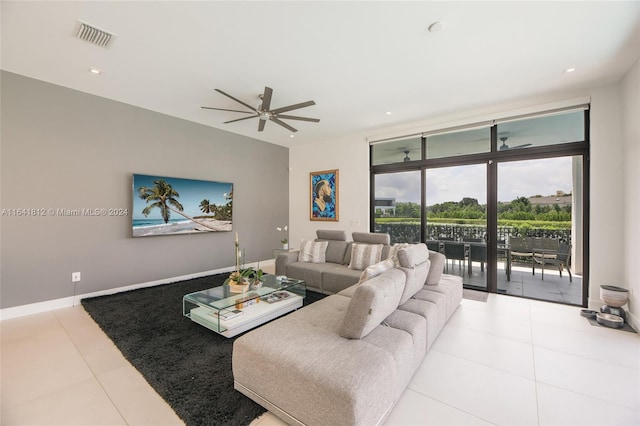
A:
(238, 281)
(284, 241)
(241, 279)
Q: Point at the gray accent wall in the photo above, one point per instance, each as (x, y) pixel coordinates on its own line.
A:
(64, 149)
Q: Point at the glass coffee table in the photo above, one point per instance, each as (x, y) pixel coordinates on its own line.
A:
(230, 314)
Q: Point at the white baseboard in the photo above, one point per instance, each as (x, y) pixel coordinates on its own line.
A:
(68, 302)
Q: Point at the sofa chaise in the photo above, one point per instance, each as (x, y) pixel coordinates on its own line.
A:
(347, 358)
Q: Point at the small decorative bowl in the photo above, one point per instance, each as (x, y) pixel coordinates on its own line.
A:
(609, 320)
(587, 313)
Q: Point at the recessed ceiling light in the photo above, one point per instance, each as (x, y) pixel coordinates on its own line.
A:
(436, 26)
(292, 136)
(569, 70)
(95, 71)
(388, 112)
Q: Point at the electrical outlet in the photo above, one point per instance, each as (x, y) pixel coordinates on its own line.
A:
(75, 277)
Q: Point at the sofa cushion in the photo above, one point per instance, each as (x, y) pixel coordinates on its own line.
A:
(335, 250)
(363, 255)
(438, 261)
(347, 254)
(450, 286)
(312, 251)
(412, 255)
(376, 269)
(310, 273)
(335, 278)
(371, 238)
(414, 262)
(331, 234)
(416, 326)
(372, 302)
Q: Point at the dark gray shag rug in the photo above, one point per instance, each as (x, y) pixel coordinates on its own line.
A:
(187, 364)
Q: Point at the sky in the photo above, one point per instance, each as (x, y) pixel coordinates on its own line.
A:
(515, 179)
(192, 192)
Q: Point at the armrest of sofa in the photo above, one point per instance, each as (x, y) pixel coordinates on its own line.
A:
(283, 259)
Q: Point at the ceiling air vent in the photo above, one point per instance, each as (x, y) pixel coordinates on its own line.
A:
(93, 34)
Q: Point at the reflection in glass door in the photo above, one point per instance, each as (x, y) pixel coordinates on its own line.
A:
(456, 225)
(540, 222)
(397, 206)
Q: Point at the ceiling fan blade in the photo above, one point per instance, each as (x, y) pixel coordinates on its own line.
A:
(293, 117)
(282, 123)
(237, 100)
(261, 124)
(266, 98)
(240, 119)
(292, 107)
(232, 110)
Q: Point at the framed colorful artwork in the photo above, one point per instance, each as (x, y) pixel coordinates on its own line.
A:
(324, 195)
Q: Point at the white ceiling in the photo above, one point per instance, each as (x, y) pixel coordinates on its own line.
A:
(356, 60)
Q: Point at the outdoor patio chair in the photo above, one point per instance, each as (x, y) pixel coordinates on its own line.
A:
(477, 253)
(454, 251)
(433, 245)
(562, 260)
(543, 248)
(521, 248)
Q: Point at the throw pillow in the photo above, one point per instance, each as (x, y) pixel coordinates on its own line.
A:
(397, 246)
(363, 255)
(376, 269)
(312, 251)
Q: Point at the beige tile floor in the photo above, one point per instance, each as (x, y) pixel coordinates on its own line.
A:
(505, 362)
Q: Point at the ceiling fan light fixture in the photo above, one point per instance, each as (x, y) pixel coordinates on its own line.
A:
(264, 115)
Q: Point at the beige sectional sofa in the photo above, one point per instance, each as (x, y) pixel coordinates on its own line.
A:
(346, 359)
(334, 274)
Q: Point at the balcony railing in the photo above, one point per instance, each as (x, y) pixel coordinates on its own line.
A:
(410, 233)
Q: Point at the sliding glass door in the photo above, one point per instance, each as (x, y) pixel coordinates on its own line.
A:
(503, 200)
(397, 206)
(456, 225)
(540, 216)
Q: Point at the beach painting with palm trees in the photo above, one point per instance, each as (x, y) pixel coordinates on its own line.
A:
(168, 206)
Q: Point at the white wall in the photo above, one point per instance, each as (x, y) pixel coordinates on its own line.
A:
(607, 199)
(631, 180)
(351, 157)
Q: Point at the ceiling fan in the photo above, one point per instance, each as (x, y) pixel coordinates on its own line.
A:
(505, 147)
(264, 113)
